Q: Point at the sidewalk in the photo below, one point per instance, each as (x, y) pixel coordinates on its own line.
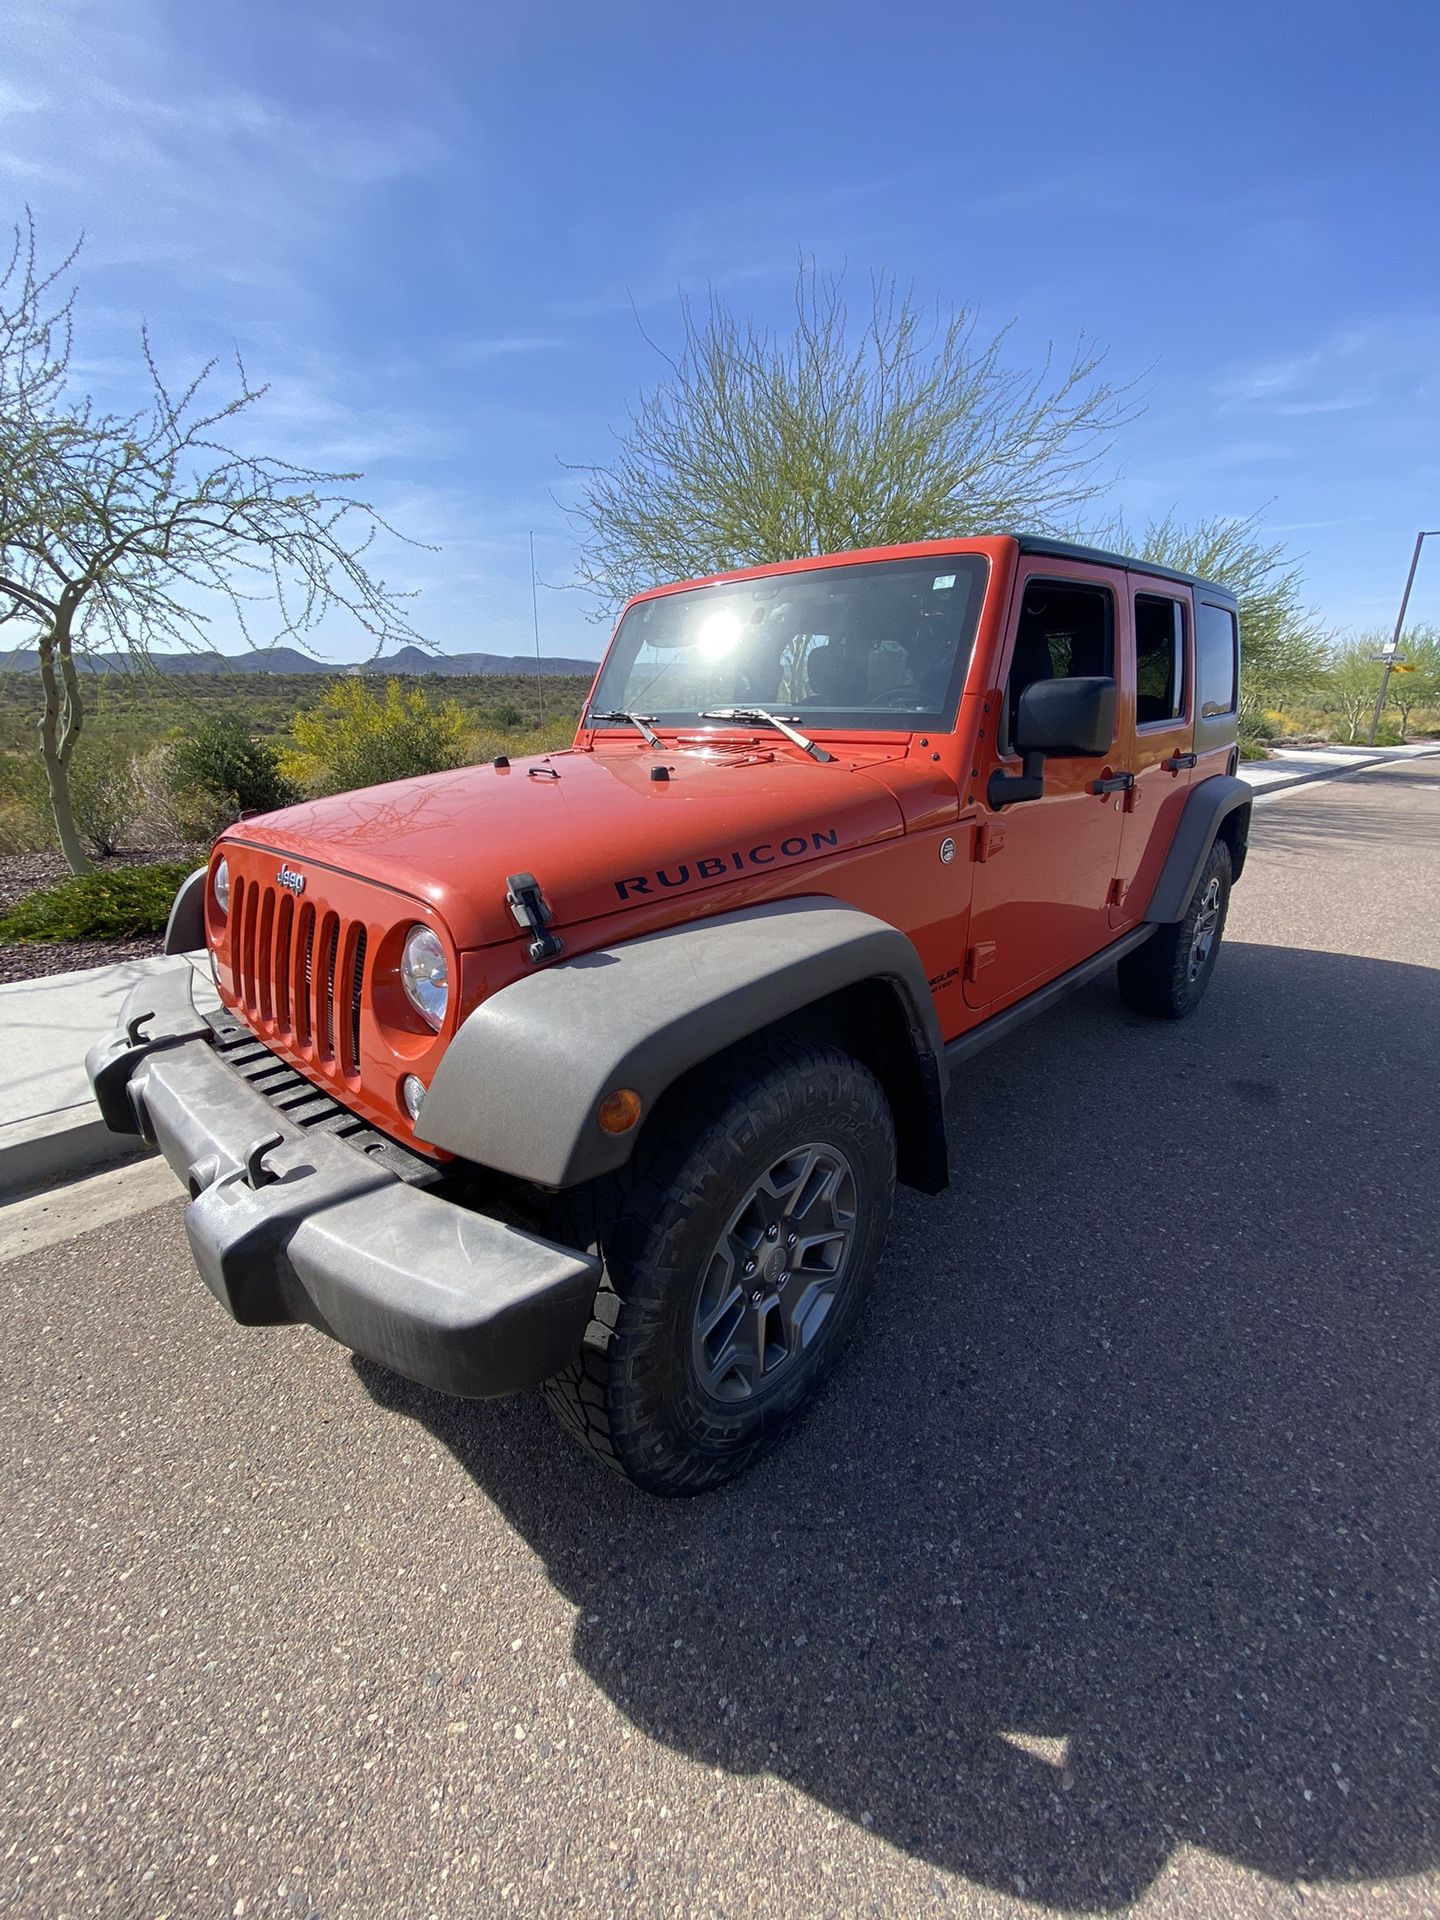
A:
(48, 1122)
(1289, 766)
(49, 1125)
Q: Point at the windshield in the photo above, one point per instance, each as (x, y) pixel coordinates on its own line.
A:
(882, 645)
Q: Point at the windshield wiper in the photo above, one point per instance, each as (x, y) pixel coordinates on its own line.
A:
(640, 721)
(771, 720)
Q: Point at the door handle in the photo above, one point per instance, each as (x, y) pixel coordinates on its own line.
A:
(1114, 783)
(1179, 760)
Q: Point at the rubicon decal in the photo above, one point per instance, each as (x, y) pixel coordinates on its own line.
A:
(767, 853)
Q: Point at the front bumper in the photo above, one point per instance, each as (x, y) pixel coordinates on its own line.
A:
(292, 1224)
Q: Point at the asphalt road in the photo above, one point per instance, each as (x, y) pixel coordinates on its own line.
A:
(1105, 1573)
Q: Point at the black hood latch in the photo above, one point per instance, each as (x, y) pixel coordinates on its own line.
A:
(527, 903)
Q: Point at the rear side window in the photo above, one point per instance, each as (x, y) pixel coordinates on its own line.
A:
(1159, 659)
(1216, 658)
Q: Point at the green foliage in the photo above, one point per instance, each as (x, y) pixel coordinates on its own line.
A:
(104, 796)
(220, 771)
(1349, 687)
(26, 823)
(357, 737)
(115, 903)
(757, 448)
(137, 710)
(1412, 692)
(1282, 646)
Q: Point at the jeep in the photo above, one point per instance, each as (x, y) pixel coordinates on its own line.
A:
(597, 1069)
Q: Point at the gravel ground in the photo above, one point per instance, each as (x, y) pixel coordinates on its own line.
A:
(22, 873)
(1102, 1580)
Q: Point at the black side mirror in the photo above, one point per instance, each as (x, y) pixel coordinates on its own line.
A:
(1070, 717)
(1067, 717)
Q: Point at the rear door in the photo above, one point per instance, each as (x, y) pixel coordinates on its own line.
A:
(1045, 867)
(1157, 720)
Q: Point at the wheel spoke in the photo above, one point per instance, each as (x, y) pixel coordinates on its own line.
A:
(773, 1274)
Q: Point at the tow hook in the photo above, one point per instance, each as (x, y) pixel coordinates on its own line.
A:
(527, 904)
(257, 1174)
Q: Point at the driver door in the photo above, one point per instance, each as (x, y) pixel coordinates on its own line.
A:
(1045, 868)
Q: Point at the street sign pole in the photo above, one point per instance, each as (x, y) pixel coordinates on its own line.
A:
(1394, 646)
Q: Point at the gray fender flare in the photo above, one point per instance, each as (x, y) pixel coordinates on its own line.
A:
(185, 929)
(1207, 807)
(520, 1085)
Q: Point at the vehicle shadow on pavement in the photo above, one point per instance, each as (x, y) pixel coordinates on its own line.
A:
(1117, 1527)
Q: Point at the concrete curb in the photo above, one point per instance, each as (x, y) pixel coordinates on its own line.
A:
(1284, 782)
(60, 1145)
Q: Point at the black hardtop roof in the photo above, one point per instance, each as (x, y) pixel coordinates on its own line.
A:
(1067, 550)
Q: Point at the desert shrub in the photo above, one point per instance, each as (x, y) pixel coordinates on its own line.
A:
(358, 737)
(104, 796)
(1256, 727)
(553, 735)
(26, 823)
(1252, 749)
(220, 771)
(118, 903)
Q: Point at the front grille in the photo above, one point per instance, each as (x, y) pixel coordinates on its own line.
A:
(299, 973)
(305, 1105)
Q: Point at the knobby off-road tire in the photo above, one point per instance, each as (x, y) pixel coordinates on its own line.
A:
(1167, 977)
(738, 1252)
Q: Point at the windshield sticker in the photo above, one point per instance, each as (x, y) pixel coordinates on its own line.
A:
(942, 581)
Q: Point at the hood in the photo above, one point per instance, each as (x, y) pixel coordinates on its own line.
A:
(597, 832)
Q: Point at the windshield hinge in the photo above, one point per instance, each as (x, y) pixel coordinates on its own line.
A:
(527, 903)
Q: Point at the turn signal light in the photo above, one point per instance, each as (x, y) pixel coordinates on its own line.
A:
(619, 1110)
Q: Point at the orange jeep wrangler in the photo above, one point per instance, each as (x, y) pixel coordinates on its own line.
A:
(598, 1069)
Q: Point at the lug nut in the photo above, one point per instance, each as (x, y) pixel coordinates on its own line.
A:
(772, 1233)
(781, 1278)
(790, 1239)
(749, 1268)
(756, 1297)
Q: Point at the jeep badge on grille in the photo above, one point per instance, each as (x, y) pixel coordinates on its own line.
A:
(288, 877)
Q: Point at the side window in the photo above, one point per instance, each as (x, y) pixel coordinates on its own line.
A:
(1160, 688)
(1065, 631)
(1216, 662)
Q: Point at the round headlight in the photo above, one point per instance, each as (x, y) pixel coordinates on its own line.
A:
(425, 974)
(220, 885)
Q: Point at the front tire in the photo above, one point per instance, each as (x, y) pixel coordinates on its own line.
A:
(737, 1261)
(1167, 977)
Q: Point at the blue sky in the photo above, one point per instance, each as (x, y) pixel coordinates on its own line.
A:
(431, 228)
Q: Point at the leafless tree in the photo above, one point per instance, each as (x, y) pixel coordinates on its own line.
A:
(118, 528)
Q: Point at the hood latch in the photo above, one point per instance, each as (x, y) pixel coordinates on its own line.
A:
(527, 903)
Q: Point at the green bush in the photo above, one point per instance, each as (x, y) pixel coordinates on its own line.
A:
(121, 904)
(1256, 726)
(219, 772)
(357, 737)
(26, 822)
(104, 796)
(1251, 749)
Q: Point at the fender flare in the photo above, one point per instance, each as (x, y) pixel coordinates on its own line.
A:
(520, 1086)
(185, 929)
(1207, 807)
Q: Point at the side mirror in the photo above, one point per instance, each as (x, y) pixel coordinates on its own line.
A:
(1065, 717)
(1068, 717)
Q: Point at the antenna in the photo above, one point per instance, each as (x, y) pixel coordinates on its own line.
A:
(535, 615)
